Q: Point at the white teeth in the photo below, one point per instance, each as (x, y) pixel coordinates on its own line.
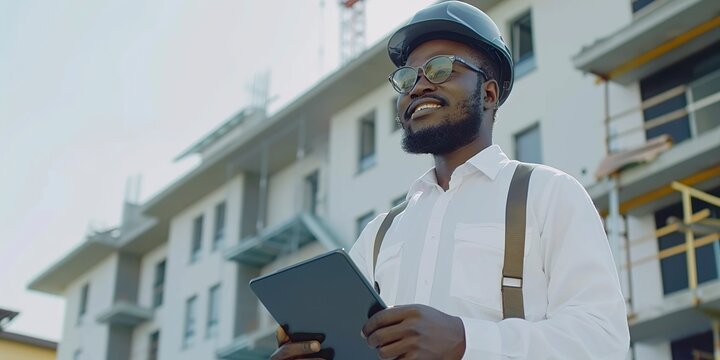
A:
(426, 106)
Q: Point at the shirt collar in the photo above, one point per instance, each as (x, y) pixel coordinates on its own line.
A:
(489, 161)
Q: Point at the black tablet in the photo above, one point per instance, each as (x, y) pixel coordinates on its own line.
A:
(324, 298)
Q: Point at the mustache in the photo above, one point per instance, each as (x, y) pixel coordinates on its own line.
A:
(441, 100)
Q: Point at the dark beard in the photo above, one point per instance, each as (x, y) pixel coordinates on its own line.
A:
(449, 135)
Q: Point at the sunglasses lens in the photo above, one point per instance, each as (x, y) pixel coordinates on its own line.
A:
(404, 79)
(438, 69)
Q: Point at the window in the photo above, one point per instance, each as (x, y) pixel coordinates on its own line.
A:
(528, 145)
(190, 320)
(397, 201)
(362, 221)
(219, 234)
(154, 345)
(639, 4)
(159, 284)
(84, 293)
(683, 97)
(674, 267)
(196, 239)
(311, 192)
(522, 44)
(367, 142)
(213, 315)
(395, 123)
(698, 346)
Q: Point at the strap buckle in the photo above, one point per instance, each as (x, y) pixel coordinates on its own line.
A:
(508, 281)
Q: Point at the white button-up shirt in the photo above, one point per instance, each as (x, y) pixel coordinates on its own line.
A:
(446, 251)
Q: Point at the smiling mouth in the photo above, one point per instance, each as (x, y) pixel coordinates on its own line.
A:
(424, 109)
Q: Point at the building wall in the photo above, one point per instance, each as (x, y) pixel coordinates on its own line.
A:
(141, 334)
(353, 193)
(185, 279)
(87, 335)
(286, 186)
(19, 351)
(567, 103)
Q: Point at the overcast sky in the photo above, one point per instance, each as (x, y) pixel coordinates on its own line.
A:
(93, 92)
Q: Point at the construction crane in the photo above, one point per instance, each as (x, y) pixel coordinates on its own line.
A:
(352, 29)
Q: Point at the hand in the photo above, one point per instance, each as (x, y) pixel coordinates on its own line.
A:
(415, 332)
(293, 350)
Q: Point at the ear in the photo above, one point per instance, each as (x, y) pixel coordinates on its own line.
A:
(492, 94)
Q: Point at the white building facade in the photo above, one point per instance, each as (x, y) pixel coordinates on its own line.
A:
(600, 88)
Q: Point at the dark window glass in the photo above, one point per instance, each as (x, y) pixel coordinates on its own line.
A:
(84, 293)
(196, 239)
(639, 4)
(362, 221)
(219, 233)
(154, 345)
(674, 268)
(159, 284)
(698, 73)
(190, 320)
(522, 38)
(528, 145)
(398, 200)
(213, 315)
(367, 141)
(311, 192)
(698, 346)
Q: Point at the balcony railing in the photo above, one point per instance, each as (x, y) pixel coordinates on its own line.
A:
(683, 112)
(284, 238)
(681, 312)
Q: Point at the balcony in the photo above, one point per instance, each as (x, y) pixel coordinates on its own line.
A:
(256, 345)
(125, 313)
(285, 238)
(687, 306)
(661, 34)
(690, 115)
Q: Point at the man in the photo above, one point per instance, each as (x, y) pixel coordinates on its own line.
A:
(441, 260)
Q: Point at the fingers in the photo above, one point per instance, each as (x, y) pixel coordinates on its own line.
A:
(396, 350)
(292, 350)
(388, 335)
(385, 318)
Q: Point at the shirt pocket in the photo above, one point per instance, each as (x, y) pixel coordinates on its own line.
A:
(477, 264)
(388, 268)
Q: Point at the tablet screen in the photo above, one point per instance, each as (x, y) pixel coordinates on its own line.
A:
(325, 295)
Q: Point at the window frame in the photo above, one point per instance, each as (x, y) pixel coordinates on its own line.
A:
(153, 345)
(219, 225)
(196, 241)
(159, 283)
(84, 300)
(213, 318)
(536, 126)
(367, 158)
(525, 63)
(189, 325)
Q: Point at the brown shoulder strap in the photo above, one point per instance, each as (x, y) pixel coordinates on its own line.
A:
(515, 218)
(380, 236)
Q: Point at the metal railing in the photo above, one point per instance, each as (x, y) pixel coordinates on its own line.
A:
(702, 109)
(688, 227)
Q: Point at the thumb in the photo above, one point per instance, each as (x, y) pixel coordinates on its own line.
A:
(282, 336)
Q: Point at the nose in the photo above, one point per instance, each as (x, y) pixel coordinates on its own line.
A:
(422, 86)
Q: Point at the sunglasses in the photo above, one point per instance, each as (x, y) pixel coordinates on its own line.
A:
(437, 70)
